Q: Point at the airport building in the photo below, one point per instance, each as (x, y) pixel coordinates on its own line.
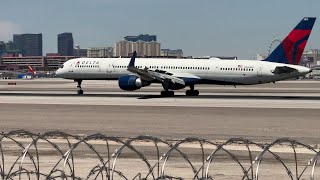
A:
(100, 52)
(28, 44)
(141, 37)
(37, 62)
(144, 49)
(65, 44)
(178, 53)
(310, 57)
(51, 62)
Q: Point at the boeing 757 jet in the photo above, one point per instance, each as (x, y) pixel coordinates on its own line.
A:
(135, 73)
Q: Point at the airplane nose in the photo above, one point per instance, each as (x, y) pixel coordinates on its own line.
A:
(59, 72)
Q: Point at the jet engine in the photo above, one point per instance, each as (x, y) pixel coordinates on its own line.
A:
(131, 83)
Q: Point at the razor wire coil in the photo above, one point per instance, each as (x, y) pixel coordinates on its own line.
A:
(22, 156)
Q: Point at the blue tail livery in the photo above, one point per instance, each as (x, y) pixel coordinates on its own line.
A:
(292, 47)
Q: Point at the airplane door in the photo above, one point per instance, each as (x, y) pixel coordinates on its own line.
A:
(259, 73)
(70, 69)
(107, 66)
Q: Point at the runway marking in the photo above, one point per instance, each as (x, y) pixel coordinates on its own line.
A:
(169, 102)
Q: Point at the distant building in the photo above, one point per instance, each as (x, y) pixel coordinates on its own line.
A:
(2, 47)
(77, 51)
(261, 57)
(65, 44)
(10, 46)
(28, 44)
(310, 57)
(152, 49)
(141, 37)
(178, 53)
(123, 48)
(51, 62)
(100, 52)
(144, 49)
(9, 49)
(52, 54)
(37, 62)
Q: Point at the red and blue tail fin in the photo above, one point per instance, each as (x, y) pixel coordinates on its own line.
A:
(292, 47)
(31, 70)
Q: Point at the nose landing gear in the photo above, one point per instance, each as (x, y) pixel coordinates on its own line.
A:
(80, 91)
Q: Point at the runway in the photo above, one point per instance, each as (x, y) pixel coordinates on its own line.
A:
(262, 112)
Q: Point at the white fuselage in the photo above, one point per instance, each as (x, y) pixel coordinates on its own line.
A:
(192, 71)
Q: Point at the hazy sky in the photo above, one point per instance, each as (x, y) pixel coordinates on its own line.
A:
(240, 28)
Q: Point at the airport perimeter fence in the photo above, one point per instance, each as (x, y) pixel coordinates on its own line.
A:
(57, 155)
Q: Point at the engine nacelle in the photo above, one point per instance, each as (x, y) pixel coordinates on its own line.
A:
(131, 83)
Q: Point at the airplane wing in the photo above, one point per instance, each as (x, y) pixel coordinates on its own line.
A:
(150, 75)
(284, 69)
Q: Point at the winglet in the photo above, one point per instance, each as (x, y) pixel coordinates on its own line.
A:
(132, 60)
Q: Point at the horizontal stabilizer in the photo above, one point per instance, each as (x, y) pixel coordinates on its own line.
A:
(283, 70)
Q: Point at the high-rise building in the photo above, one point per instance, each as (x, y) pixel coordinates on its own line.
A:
(141, 37)
(140, 48)
(123, 48)
(9, 49)
(144, 49)
(65, 44)
(153, 49)
(2, 47)
(28, 44)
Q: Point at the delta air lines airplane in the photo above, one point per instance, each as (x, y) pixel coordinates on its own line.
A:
(174, 74)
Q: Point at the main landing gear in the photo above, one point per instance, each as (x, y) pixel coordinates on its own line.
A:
(80, 91)
(192, 92)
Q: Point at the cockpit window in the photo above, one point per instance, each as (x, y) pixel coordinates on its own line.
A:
(61, 66)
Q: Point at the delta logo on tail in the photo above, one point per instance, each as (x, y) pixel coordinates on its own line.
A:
(291, 48)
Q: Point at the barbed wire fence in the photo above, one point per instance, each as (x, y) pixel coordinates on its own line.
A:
(57, 155)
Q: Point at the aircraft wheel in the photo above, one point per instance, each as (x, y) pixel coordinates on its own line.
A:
(171, 93)
(196, 93)
(192, 93)
(167, 93)
(80, 91)
(188, 93)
